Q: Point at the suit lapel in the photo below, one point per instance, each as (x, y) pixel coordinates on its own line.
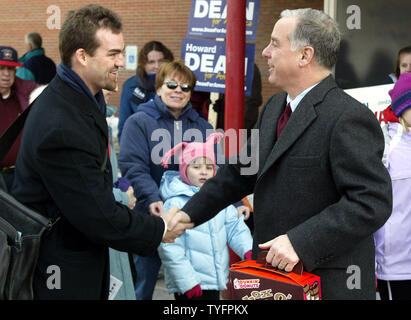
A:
(298, 123)
(300, 120)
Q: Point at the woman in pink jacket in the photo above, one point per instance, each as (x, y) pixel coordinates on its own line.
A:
(393, 240)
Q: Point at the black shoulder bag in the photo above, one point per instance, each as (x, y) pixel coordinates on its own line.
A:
(21, 230)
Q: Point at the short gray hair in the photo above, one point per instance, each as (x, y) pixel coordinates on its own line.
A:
(318, 30)
(34, 39)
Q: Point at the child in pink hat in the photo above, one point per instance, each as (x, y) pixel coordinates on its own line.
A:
(196, 264)
(393, 240)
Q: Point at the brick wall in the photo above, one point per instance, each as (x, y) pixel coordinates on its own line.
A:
(143, 20)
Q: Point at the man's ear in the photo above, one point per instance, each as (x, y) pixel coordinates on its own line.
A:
(307, 56)
(81, 57)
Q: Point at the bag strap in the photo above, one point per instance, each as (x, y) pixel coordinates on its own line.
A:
(10, 135)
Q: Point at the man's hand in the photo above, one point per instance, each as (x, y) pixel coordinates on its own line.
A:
(179, 226)
(180, 216)
(281, 253)
(156, 208)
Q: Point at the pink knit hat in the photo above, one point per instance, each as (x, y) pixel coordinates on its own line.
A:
(401, 94)
(190, 151)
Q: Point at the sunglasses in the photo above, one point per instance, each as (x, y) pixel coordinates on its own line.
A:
(173, 85)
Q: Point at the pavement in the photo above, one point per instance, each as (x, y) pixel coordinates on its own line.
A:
(161, 292)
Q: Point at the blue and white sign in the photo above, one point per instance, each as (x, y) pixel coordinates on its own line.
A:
(206, 58)
(131, 57)
(208, 19)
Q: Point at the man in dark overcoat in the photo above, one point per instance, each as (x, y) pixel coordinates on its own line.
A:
(64, 170)
(321, 190)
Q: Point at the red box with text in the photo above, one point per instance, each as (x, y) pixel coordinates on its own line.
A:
(256, 280)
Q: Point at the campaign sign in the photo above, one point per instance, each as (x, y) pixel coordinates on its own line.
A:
(208, 19)
(206, 58)
(375, 98)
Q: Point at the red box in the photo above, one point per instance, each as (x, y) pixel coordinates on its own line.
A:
(256, 280)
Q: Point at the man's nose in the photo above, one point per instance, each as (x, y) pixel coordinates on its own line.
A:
(265, 52)
(120, 61)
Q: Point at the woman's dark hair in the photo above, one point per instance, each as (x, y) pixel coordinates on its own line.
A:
(147, 48)
(397, 66)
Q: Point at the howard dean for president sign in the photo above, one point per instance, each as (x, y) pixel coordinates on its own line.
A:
(208, 19)
(206, 58)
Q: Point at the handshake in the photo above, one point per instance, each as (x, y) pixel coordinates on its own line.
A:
(177, 222)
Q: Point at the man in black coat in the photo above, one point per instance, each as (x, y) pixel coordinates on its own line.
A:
(63, 168)
(36, 65)
(321, 190)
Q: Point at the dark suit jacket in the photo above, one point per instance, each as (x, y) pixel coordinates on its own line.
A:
(322, 183)
(60, 172)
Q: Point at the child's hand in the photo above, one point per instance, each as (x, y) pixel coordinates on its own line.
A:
(243, 210)
(194, 292)
(248, 255)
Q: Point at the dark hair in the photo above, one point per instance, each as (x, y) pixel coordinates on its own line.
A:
(177, 68)
(397, 66)
(79, 30)
(147, 48)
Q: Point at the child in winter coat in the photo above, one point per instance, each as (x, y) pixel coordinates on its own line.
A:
(196, 264)
(393, 240)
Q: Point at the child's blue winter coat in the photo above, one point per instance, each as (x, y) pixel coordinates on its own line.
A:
(200, 255)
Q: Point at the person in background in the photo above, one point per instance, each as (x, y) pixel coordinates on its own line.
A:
(321, 190)
(402, 65)
(140, 88)
(121, 278)
(186, 274)
(393, 240)
(14, 99)
(36, 65)
(169, 112)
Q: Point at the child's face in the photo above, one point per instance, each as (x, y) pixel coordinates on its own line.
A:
(406, 115)
(199, 171)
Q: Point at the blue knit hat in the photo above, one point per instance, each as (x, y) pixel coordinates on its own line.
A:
(401, 94)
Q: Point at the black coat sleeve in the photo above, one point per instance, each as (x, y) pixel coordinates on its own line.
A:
(69, 162)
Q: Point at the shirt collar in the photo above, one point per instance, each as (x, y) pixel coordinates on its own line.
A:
(294, 103)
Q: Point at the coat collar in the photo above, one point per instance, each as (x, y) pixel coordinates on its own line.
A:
(300, 120)
(81, 102)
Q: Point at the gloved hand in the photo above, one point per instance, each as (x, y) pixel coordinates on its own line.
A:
(194, 292)
(247, 255)
(123, 184)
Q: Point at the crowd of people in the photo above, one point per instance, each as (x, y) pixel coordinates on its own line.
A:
(331, 190)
